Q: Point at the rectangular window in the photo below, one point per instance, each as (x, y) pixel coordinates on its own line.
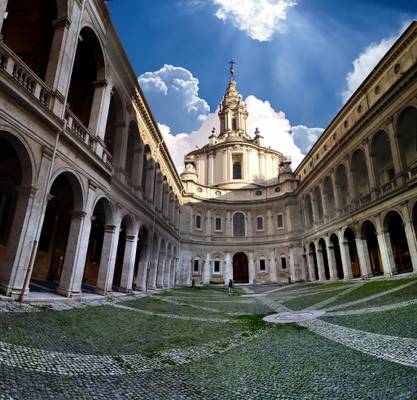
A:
(216, 265)
(237, 161)
(283, 263)
(198, 221)
(262, 264)
(259, 223)
(280, 221)
(196, 265)
(218, 224)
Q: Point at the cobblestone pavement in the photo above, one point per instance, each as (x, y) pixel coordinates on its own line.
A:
(153, 348)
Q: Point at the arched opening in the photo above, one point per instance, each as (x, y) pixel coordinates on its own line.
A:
(133, 146)
(342, 185)
(328, 193)
(334, 240)
(353, 252)
(64, 200)
(382, 159)
(124, 231)
(394, 225)
(100, 218)
(407, 135)
(28, 30)
(319, 204)
(15, 175)
(87, 74)
(323, 248)
(369, 234)
(240, 268)
(313, 260)
(359, 174)
(308, 209)
(113, 119)
(239, 224)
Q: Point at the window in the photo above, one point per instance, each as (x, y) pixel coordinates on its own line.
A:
(237, 170)
(234, 124)
(259, 223)
(280, 221)
(238, 224)
(198, 221)
(283, 262)
(218, 224)
(262, 264)
(216, 266)
(196, 265)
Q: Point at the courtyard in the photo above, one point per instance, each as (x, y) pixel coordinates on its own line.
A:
(199, 343)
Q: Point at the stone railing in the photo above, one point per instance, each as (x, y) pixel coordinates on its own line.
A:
(12, 65)
(79, 130)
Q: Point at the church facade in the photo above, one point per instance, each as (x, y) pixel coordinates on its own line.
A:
(90, 200)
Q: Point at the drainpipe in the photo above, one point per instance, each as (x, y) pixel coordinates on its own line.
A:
(48, 179)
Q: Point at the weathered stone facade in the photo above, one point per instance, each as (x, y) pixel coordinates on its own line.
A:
(90, 199)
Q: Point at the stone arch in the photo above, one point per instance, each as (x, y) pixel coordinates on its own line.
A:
(349, 237)
(407, 136)
(369, 234)
(101, 220)
(342, 185)
(394, 226)
(16, 182)
(359, 174)
(382, 158)
(114, 119)
(88, 75)
(29, 30)
(240, 268)
(239, 224)
(58, 240)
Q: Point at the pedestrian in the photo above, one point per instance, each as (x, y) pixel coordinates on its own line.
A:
(230, 292)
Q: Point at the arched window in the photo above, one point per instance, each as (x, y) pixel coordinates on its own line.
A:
(238, 224)
(198, 221)
(280, 221)
(259, 223)
(262, 264)
(237, 170)
(218, 224)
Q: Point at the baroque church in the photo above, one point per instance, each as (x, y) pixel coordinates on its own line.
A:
(90, 200)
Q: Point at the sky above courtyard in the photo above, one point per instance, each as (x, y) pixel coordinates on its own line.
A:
(298, 61)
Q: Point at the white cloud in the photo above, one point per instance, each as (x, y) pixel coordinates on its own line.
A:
(367, 61)
(274, 126)
(173, 94)
(260, 19)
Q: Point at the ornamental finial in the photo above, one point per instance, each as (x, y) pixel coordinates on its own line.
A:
(232, 69)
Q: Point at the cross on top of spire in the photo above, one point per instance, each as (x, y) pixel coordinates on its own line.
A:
(232, 69)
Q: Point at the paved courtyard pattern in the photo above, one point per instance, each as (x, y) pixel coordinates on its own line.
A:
(198, 343)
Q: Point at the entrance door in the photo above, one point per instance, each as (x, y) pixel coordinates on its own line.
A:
(240, 268)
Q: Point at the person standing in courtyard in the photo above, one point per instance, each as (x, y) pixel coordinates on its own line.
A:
(230, 291)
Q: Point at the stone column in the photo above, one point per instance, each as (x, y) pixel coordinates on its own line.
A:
(269, 223)
(364, 260)
(75, 255)
(273, 266)
(137, 167)
(140, 282)
(370, 168)
(108, 258)
(411, 241)
(167, 273)
(159, 200)
(346, 261)
(160, 271)
(394, 147)
(248, 223)
(150, 180)
(252, 268)
(210, 168)
(331, 257)
(225, 166)
(336, 193)
(165, 211)
(310, 262)
(171, 207)
(351, 187)
(228, 273)
(320, 263)
(385, 249)
(295, 263)
(229, 230)
(119, 148)
(208, 223)
(206, 272)
(126, 281)
(100, 108)
(324, 204)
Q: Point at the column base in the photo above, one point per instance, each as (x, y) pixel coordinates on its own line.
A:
(68, 293)
(125, 290)
(103, 292)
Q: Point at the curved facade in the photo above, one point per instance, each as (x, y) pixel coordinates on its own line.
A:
(90, 200)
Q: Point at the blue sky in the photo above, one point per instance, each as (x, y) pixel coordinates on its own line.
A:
(299, 63)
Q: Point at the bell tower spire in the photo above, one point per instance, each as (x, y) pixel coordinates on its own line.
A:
(232, 111)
